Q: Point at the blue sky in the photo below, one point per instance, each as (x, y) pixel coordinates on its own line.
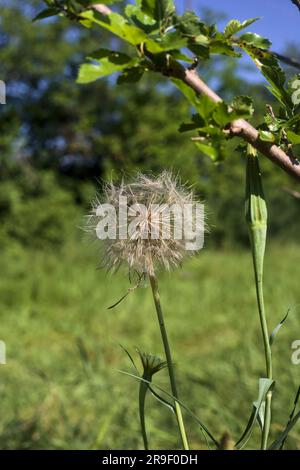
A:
(280, 20)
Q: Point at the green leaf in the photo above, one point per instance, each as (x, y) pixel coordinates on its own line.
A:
(173, 40)
(253, 39)
(118, 25)
(131, 75)
(242, 106)
(224, 47)
(205, 107)
(178, 55)
(190, 24)
(110, 62)
(187, 91)
(157, 9)
(114, 57)
(234, 26)
(46, 14)
(222, 115)
(266, 136)
(141, 19)
(208, 149)
(264, 385)
(293, 137)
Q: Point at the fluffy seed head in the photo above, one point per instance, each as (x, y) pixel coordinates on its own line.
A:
(158, 227)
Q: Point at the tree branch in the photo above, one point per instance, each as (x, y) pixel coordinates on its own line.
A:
(288, 60)
(297, 3)
(240, 127)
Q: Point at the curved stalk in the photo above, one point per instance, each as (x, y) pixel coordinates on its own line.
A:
(156, 297)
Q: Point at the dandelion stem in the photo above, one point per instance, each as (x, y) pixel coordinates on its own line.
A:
(156, 297)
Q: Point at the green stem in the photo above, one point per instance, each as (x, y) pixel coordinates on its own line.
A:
(156, 297)
(258, 271)
(142, 398)
(256, 217)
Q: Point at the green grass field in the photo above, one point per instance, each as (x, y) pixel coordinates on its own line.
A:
(61, 387)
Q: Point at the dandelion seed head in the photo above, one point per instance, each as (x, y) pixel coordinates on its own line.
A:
(152, 243)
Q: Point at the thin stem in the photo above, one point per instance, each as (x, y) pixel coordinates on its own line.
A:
(156, 297)
(267, 348)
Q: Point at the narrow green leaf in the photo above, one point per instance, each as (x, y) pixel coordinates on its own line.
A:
(191, 413)
(278, 442)
(264, 386)
(292, 414)
(275, 331)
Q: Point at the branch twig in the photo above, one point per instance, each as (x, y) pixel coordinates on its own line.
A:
(240, 127)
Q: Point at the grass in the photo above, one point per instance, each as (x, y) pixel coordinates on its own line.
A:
(61, 387)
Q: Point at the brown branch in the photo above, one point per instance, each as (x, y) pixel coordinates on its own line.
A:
(293, 193)
(240, 127)
(297, 3)
(288, 60)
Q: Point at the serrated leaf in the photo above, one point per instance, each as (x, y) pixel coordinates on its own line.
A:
(234, 26)
(253, 39)
(190, 24)
(242, 105)
(134, 12)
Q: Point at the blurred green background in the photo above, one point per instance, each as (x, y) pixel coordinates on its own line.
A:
(61, 387)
